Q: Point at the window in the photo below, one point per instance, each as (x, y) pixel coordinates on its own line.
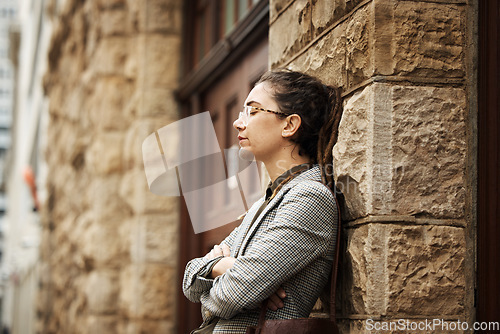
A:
(208, 22)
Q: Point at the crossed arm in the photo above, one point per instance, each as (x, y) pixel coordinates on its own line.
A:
(275, 301)
(301, 232)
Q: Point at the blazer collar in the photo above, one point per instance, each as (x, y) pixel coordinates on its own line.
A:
(313, 173)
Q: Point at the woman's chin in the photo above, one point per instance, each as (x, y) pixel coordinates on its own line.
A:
(245, 154)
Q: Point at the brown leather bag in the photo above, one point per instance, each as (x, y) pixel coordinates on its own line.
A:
(304, 325)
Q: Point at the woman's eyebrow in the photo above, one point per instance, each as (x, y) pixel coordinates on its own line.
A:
(249, 103)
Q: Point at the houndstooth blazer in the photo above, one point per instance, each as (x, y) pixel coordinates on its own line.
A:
(291, 244)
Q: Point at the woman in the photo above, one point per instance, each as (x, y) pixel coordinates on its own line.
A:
(282, 252)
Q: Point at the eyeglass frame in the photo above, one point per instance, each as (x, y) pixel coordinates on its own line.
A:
(245, 114)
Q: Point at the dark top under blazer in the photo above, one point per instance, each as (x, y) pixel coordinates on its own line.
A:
(291, 244)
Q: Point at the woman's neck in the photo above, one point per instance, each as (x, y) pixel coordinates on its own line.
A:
(277, 167)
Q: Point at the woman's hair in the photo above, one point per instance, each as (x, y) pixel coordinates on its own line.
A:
(320, 109)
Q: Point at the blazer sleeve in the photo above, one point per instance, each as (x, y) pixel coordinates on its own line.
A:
(303, 230)
(195, 281)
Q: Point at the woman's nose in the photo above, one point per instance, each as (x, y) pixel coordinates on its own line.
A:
(239, 124)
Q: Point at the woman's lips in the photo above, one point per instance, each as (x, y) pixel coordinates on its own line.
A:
(241, 141)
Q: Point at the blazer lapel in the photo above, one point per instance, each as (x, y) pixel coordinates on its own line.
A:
(245, 226)
(244, 238)
(252, 228)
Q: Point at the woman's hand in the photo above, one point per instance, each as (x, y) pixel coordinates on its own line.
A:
(275, 301)
(218, 251)
(224, 264)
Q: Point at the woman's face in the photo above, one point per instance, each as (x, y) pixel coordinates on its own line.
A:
(262, 135)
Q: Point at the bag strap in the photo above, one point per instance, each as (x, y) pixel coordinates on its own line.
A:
(262, 317)
(333, 282)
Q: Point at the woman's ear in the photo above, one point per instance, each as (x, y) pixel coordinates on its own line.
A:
(292, 125)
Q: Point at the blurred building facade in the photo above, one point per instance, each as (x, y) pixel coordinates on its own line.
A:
(112, 254)
(29, 35)
(108, 253)
(8, 12)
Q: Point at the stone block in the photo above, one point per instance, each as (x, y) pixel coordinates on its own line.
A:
(401, 150)
(114, 22)
(160, 16)
(135, 191)
(429, 39)
(92, 13)
(419, 39)
(404, 270)
(110, 55)
(358, 35)
(344, 54)
(63, 233)
(60, 207)
(68, 187)
(327, 59)
(134, 58)
(76, 305)
(65, 140)
(102, 292)
(158, 62)
(72, 62)
(106, 204)
(276, 6)
(429, 150)
(147, 327)
(104, 155)
(324, 13)
(327, 12)
(154, 238)
(426, 270)
(138, 132)
(109, 95)
(56, 93)
(381, 43)
(351, 154)
(101, 324)
(290, 32)
(105, 244)
(107, 4)
(73, 104)
(157, 103)
(76, 227)
(148, 291)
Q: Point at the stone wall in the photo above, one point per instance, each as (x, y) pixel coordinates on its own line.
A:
(402, 151)
(109, 250)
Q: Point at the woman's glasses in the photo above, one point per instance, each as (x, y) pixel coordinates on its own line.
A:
(244, 115)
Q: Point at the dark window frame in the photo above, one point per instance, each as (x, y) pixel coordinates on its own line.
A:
(224, 52)
(488, 202)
